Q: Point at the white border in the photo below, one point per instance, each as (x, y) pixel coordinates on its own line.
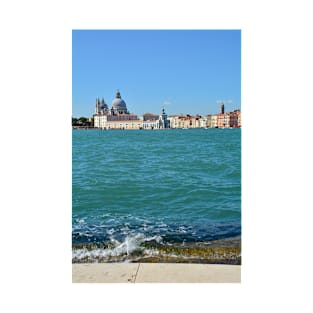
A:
(36, 159)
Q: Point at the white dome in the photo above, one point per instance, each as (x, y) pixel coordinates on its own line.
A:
(118, 104)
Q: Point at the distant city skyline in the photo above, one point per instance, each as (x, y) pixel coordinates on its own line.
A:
(184, 71)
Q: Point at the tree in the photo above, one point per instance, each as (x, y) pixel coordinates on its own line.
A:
(82, 121)
(74, 121)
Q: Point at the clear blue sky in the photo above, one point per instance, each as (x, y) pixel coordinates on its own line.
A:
(187, 71)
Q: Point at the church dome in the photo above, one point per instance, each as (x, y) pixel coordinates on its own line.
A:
(118, 103)
(103, 105)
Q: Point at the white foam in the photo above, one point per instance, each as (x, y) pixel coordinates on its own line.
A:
(111, 231)
(125, 248)
(182, 230)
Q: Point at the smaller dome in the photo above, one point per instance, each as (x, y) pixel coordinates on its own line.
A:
(103, 105)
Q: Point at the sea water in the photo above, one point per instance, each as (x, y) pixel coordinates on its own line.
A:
(138, 190)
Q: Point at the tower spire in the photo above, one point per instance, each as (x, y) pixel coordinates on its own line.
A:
(222, 108)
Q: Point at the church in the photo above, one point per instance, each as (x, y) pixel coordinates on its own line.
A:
(118, 117)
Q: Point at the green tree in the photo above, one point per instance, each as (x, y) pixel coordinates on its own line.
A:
(74, 121)
(82, 121)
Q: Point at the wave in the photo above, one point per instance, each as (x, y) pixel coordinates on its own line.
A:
(139, 248)
(129, 246)
(126, 228)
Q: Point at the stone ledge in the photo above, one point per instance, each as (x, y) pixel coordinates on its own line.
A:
(155, 273)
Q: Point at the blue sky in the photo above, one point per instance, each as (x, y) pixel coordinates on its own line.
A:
(186, 71)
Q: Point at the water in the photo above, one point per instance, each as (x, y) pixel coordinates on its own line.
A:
(137, 193)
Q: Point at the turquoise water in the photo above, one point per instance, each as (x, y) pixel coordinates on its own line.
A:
(163, 186)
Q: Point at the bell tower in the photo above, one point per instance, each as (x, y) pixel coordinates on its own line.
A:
(164, 122)
(222, 108)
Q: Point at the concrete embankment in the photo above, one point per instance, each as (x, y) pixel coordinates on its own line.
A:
(155, 273)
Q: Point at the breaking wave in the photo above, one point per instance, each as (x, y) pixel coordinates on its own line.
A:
(116, 250)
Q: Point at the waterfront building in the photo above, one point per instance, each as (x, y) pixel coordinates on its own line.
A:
(239, 118)
(151, 121)
(124, 124)
(164, 122)
(101, 107)
(173, 120)
(208, 121)
(121, 122)
(180, 121)
(118, 106)
(222, 120)
(214, 120)
(150, 117)
(233, 119)
(228, 119)
(154, 124)
(195, 121)
(118, 117)
(203, 122)
(222, 117)
(186, 121)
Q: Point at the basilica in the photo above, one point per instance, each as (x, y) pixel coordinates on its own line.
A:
(118, 117)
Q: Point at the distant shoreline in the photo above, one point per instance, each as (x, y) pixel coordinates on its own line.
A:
(94, 128)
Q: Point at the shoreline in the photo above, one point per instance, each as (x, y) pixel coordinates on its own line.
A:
(155, 273)
(97, 128)
(221, 251)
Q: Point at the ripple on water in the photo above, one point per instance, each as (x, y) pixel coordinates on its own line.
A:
(180, 185)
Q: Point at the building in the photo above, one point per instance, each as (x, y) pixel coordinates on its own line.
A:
(222, 108)
(186, 121)
(150, 121)
(208, 121)
(238, 116)
(101, 107)
(203, 122)
(223, 120)
(239, 119)
(214, 120)
(150, 117)
(180, 121)
(196, 121)
(118, 106)
(228, 119)
(164, 122)
(118, 117)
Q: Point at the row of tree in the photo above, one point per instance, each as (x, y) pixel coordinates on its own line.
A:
(82, 121)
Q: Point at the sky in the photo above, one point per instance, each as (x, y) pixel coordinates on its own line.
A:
(184, 71)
